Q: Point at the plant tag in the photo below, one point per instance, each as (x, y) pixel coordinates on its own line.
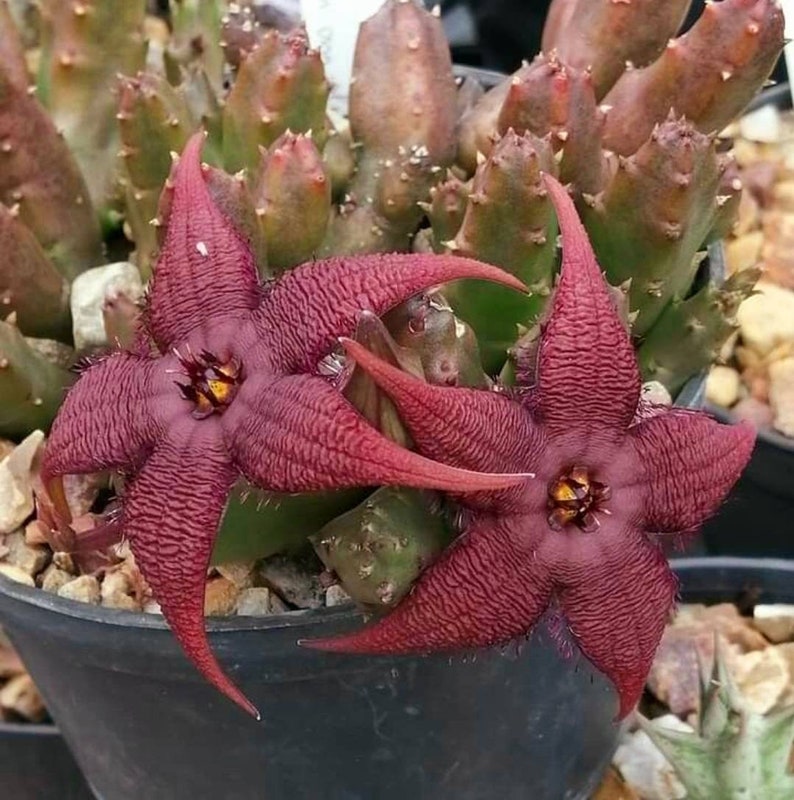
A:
(332, 26)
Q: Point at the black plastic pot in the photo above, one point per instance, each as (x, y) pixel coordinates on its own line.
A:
(756, 519)
(142, 723)
(35, 764)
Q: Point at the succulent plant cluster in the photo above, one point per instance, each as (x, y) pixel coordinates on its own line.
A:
(617, 109)
(734, 752)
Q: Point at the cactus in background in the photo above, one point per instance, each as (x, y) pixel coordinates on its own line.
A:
(85, 46)
(509, 222)
(735, 752)
(30, 286)
(154, 121)
(654, 216)
(709, 74)
(379, 548)
(292, 196)
(447, 208)
(545, 98)
(31, 387)
(402, 115)
(280, 86)
(603, 35)
(40, 180)
(195, 40)
(689, 334)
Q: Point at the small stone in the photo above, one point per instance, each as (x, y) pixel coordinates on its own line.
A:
(762, 678)
(240, 573)
(82, 490)
(36, 533)
(220, 598)
(722, 386)
(16, 488)
(645, 769)
(336, 596)
(763, 125)
(53, 578)
(16, 574)
(31, 560)
(755, 412)
(776, 621)
(744, 252)
(766, 319)
(64, 561)
(21, 697)
(84, 589)
(259, 601)
(89, 292)
(116, 591)
(781, 395)
(296, 585)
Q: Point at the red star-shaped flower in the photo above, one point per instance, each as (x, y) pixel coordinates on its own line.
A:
(579, 537)
(223, 385)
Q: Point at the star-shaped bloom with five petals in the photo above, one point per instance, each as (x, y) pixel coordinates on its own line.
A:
(222, 384)
(581, 537)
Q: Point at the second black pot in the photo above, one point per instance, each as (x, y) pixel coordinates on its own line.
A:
(35, 764)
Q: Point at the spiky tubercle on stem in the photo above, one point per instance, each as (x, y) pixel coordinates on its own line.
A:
(31, 388)
(292, 197)
(708, 75)
(403, 109)
(689, 334)
(85, 46)
(655, 215)
(509, 222)
(380, 547)
(280, 86)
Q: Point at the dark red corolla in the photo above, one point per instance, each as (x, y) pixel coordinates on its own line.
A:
(223, 384)
(581, 537)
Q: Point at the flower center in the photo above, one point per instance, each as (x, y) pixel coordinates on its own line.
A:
(575, 498)
(213, 383)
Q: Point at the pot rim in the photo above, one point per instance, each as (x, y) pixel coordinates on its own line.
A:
(29, 729)
(304, 617)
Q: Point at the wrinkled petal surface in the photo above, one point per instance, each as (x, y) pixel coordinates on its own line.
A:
(485, 589)
(171, 514)
(305, 312)
(205, 266)
(691, 461)
(588, 381)
(298, 434)
(455, 425)
(110, 418)
(616, 592)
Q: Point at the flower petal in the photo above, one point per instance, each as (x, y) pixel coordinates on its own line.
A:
(468, 428)
(171, 514)
(298, 434)
(486, 589)
(110, 417)
(587, 371)
(616, 592)
(304, 312)
(205, 266)
(691, 462)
